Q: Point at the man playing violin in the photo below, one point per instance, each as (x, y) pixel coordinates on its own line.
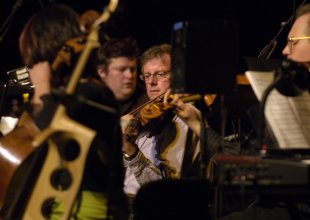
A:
(161, 149)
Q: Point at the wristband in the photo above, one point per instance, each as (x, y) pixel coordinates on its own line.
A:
(130, 157)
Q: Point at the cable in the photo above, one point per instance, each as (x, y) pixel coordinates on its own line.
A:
(7, 23)
(266, 52)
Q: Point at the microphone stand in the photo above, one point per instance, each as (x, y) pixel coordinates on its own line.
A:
(266, 52)
(7, 23)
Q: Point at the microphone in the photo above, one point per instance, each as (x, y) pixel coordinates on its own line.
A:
(293, 78)
(266, 52)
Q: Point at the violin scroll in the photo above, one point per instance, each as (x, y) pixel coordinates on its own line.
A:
(64, 56)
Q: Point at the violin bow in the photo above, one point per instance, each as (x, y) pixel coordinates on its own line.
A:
(64, 132)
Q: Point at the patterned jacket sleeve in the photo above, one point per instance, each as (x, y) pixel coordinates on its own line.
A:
(143, 169)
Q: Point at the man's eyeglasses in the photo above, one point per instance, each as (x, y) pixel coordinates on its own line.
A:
(291, 41)
(161, 75)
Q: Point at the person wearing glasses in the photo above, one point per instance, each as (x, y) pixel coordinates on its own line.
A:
(297, 49)
(298, 43)
(117, 66)
(166, 147)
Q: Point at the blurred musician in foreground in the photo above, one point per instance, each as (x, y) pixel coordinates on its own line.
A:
(44, 35)
(166, 147)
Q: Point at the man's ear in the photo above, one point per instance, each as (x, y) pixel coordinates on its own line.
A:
(102, 73)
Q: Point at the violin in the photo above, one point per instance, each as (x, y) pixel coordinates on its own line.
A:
(153, 109)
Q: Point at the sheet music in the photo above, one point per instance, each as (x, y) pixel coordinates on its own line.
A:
(289, 117)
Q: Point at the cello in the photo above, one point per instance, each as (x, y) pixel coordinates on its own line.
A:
(62, 134)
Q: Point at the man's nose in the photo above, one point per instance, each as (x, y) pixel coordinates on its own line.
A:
(153, 79)
(286, 50)
(129, 72)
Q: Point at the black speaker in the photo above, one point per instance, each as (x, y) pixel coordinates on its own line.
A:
(205, 56)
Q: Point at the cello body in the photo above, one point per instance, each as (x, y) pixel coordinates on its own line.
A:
(52, 165)
(15, 150)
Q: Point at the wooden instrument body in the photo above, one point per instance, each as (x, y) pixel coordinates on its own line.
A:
(63, 130)
(15, 147)
(60, 174)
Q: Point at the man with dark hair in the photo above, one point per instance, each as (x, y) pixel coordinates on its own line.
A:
(117, 66)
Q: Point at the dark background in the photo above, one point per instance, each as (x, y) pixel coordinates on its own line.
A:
(150, 21)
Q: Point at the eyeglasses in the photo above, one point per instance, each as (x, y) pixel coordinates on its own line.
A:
(291, 41)
(161, 75)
